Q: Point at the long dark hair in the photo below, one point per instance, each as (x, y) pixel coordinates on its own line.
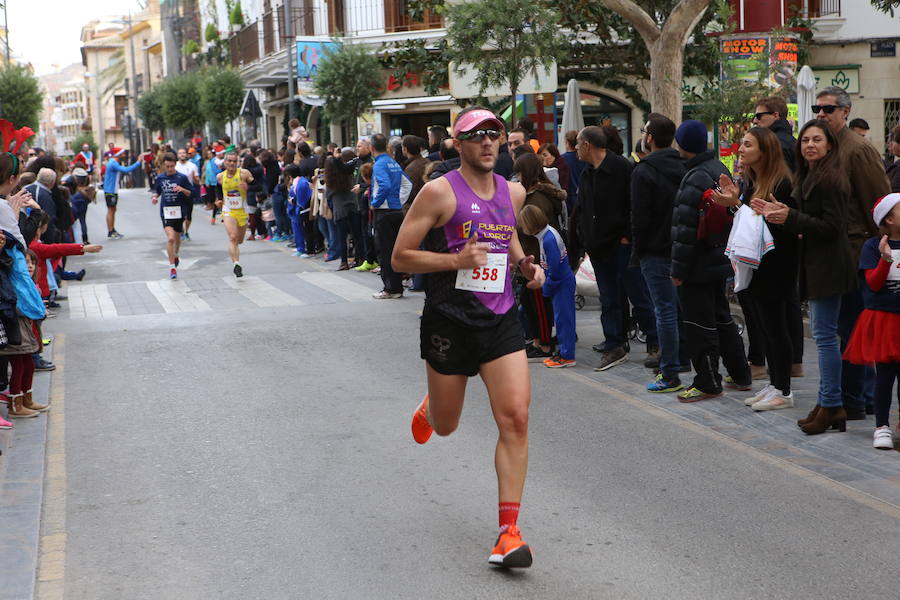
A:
(530, 170)
(828, 171)
(771, 170)
(336, 179)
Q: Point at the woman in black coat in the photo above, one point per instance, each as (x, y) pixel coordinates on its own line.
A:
(827, 269)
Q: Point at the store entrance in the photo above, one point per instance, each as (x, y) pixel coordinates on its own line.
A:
(418, 123)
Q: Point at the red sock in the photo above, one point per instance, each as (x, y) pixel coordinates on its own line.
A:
(509, 514)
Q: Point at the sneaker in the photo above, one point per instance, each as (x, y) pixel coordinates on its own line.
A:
(366, 266)
(386, 295)
(775, 400)
(187, 236)
(377, 270)
(257, 237)
(421, 429)
(183, 236)
(114, 235)
(173, 274)
(661, 386)
(535, 354)
(291, 245)
(238, 271)
(694, 395)
(558, 362)
(883, 440)
(212, 220)
(510, 551)
(304, 255)
(769, 389)
(611, 358)
(652, 360)
(43, 365)
(741, 387)
(4, 424)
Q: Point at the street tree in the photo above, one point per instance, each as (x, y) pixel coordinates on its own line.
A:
(178, 97)
(348, 79)
(665, 43)
(221, 95)
(21, 97)
(529, 40)
(887, 6)
(150, 109)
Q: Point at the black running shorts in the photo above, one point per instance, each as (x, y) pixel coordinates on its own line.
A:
(111, 200)
(454, 349)
(176, 224)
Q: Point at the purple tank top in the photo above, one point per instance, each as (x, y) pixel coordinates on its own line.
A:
(492, 221)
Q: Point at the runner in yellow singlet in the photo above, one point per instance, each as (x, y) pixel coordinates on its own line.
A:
(234, 183)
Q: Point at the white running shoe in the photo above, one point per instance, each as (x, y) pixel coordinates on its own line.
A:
(883, 439)
(775, 400)
(759, 395)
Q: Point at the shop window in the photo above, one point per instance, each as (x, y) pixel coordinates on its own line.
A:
(599, 109)
(891, 117)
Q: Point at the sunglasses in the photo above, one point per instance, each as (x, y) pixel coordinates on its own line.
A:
(760, 115)
(478, 135)
(827, 109)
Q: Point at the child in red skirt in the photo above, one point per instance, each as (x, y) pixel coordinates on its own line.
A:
(876, 337)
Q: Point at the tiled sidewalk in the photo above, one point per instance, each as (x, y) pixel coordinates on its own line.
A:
(845, 458)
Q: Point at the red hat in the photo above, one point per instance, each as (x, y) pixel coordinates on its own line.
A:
(219, 148)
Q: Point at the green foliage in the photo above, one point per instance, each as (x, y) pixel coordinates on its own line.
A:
(113, 75)
(21, 97)
(190, 47)
(425, 59)
(150, 110)
(503, 56)
(236, 15)
(416, 9)
(178, 98)
(85, 137)
(212, 32)
(348, 79)
(607, 50)
(221, 93)
(886, 6)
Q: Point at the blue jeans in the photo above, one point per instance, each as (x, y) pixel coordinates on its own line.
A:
(336, 242)
(824, 313)
(322, 224)
(657, 273)
(857, 381)
(617, 284)
(79, 207)
(279, 207)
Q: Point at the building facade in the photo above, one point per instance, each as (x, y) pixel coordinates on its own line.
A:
(64, 114)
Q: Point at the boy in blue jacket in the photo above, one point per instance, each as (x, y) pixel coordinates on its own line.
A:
(559, 284)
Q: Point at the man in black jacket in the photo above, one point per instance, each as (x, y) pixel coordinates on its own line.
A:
(504, 165)
(449, 160)
(772, 113)
(604, 230)
(654, 182)
(699, 270)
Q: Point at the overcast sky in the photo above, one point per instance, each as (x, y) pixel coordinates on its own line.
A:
(47, 33)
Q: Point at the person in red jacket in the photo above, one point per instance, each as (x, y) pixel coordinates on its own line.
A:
(52, 252)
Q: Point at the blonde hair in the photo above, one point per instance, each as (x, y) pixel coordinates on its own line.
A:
(532, 219)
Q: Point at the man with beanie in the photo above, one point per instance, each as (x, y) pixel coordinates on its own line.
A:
(699, 270)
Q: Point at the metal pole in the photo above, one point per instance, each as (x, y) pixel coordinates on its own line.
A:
(6, 33)
(134, 136)
(291, 42)
(101, 131)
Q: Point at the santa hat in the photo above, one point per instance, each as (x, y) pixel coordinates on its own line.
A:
(219, 148)
(884, 206)
(118, 151)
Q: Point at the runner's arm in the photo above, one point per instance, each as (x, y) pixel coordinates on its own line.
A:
(432, 208)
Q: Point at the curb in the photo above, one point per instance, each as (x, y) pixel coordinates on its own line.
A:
(21, 496)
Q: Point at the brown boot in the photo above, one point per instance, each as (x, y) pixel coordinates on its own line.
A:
(30, 404)
(759, 372)
(797, 370)
(827, 418)
(17, 411)
(810, 417)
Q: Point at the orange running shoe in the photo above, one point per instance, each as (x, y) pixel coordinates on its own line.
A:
(421, 429)
(511, 552)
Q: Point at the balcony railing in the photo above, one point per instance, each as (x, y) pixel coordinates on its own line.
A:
(824, 8)
(373, 17)
(244, 45)
(270, 38)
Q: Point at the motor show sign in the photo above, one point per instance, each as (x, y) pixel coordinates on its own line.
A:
(760, 57)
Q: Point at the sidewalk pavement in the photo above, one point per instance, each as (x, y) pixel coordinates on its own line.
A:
(21, 494)
(848, 459)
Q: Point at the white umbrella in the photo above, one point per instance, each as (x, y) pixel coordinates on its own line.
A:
(572, 117)
(806, 91)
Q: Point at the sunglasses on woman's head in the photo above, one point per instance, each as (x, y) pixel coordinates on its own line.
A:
(477, 135)
(827, 109)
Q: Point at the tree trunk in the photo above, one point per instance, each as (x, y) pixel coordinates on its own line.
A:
(666, 66)
(513, 88)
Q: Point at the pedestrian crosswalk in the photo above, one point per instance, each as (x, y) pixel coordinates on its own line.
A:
(113, 300)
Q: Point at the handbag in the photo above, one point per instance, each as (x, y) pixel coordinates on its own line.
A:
(714, 218)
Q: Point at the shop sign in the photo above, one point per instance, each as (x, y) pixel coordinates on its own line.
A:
(883, 49)
(760, 57)
(465, 86)
(309, 53)
(844, 78)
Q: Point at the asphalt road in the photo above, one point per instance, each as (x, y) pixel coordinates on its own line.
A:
(255, 443)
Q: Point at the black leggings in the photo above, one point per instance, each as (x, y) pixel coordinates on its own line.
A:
(885, 374)
(771, 311)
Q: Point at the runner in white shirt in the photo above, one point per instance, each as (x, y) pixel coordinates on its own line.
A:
(189, 170)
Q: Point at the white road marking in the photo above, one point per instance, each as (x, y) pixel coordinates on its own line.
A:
(91, 301)
(176, 296)
(260, 292)
(338, 286)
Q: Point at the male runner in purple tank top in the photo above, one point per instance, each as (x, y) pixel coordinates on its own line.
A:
(467, 220)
